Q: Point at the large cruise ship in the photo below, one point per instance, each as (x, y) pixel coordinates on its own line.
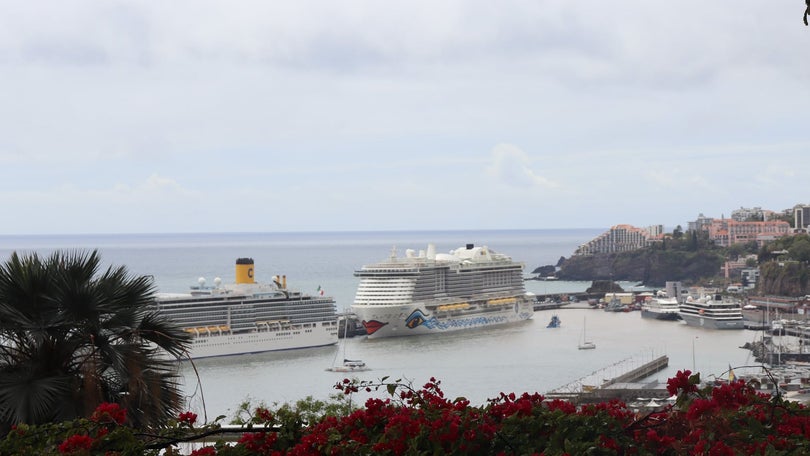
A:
(712, 313)
(249, 317)
(428, 293)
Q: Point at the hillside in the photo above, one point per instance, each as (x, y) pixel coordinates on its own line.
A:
(783, 264)
(653, 267)
(783, 279)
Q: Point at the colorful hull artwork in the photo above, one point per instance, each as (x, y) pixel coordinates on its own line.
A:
(419, 321)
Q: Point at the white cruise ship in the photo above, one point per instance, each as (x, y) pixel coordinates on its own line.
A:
(712, 313)
(249, 317)
(661, 308)
(428, 293)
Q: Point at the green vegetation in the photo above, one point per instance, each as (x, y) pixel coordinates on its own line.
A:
(74, 337)
(783, 266)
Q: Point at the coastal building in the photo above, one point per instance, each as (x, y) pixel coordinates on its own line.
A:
(656, 231)
(749, 277)
(619, 238)
(701, 224)
(725, 232)
(744, 214)
(739, 270)
(676, 290)
(801, 217)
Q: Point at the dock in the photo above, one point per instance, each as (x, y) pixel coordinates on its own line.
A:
(622, 380)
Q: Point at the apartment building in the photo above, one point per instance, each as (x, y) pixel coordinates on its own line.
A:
(725, 232)
(619, 238)
(801, 218)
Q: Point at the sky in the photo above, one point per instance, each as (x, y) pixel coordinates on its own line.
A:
(257, 116)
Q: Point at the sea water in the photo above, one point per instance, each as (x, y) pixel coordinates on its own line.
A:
(476, 364)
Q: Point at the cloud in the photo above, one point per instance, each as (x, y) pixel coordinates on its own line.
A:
(512, 166)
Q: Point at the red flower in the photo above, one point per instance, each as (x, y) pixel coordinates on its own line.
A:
(76, 443)
(681, 381)
(188, 418)
(264, 415)
(258, 442)
(204, 451)
(109, 412)
(701, 407)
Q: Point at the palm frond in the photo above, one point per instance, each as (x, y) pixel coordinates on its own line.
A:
(27, 397)
(72, 337)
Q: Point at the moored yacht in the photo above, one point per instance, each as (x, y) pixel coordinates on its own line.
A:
(429, 292)
(712, 312)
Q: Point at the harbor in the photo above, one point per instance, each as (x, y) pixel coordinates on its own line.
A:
(633, 358)
(476, 364)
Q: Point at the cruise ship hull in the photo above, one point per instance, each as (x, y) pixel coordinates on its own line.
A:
(711, 323)
(653, 314)
(712, 313)
(414, 319)
(250, 317)
(207, 346)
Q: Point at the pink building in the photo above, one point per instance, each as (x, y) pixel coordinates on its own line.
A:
(725, 232)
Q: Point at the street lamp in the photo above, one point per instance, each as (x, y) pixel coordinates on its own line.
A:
(694, 369)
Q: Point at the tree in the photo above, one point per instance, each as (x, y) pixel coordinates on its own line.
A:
(72, 338)
(800, 249)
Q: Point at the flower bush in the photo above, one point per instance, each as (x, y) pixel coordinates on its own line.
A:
(726, 419)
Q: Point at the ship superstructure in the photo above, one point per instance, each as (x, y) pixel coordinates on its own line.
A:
(712, 312)
(661, 308)
(432, 292)
(249, 317)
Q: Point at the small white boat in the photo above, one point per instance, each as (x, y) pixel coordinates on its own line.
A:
(349, 365)
(585, 344)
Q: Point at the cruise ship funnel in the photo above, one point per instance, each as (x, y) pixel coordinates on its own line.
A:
(244, 270)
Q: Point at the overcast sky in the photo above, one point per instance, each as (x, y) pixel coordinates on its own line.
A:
(204, 116)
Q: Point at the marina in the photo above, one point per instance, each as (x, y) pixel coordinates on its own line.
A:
(478, 364)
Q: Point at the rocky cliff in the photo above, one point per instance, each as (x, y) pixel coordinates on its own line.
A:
(651, 267)
(786, 278)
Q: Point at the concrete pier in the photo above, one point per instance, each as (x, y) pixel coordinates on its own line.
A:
(640, 373)
(626, 386)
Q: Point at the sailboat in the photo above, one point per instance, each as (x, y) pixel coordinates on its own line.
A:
(585, 344)
(349, 365)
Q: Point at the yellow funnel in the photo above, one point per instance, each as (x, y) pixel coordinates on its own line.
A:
(244, 270)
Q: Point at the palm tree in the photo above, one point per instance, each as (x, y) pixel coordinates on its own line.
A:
(72, 337)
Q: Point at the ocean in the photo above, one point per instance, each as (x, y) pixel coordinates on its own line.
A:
(476, 364)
